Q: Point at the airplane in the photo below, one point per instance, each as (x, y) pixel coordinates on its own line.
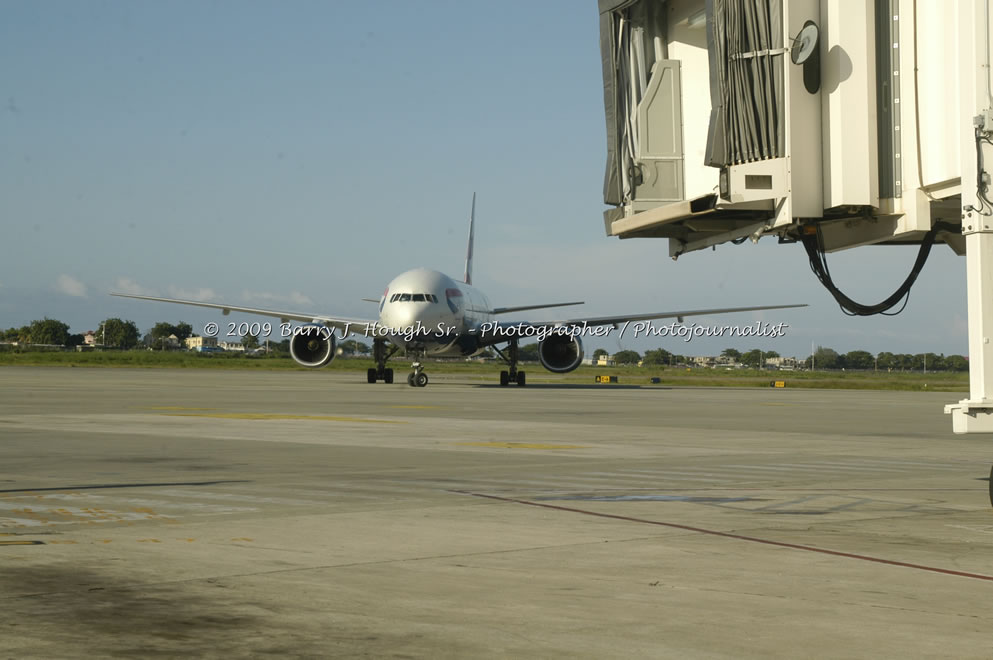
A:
(427, 313)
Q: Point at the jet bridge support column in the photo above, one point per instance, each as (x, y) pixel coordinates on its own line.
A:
(975, 414)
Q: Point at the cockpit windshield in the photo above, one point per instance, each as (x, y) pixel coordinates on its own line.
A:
(414, 297)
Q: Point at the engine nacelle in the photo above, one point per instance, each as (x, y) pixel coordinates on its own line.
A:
(560, 353)
(312, 345)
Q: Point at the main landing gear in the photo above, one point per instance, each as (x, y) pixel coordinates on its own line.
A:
(417, 377)
(380, 355)
(513, 375)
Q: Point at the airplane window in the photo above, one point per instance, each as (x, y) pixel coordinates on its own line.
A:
(418, 297)
(394, 297)
(433, 297)
(404, 297)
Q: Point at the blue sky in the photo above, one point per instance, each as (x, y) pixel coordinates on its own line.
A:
(299, 155)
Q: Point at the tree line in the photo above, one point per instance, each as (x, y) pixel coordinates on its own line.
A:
(826, 358)
(114, 332)
(123, 334)
(822, 358)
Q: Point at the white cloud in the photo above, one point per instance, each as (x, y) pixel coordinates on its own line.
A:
(293, 297)
(70, 286)
(127, 285)
(201, 294)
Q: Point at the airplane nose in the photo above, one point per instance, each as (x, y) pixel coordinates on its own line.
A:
(423, 318)
(404, 318)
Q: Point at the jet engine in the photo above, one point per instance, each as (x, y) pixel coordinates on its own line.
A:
(560, 353)
(312, 345)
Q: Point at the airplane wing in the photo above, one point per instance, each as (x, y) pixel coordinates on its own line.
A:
(502, 331)
(352, 325)
(504, 310)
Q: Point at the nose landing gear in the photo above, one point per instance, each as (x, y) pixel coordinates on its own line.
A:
(417, 377)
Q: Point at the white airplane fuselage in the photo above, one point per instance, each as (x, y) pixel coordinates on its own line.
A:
(424, 310)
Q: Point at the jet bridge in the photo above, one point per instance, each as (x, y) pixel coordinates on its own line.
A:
(831, 124)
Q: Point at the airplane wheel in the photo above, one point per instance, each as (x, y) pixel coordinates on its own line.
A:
(388, 376)
(410, 380)
(521, 381)
(504, 379)
(371, 375)
(422, 379)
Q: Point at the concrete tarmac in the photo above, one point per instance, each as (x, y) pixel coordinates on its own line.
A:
(200, 513)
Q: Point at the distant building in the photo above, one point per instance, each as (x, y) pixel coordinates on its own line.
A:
(90, 338)
(231, 345)
(194, 343)
(783, 363)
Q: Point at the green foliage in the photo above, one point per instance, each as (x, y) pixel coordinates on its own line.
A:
(658, 356)
(956, 363)
(49, 331)
(119, 334)
(158, 336)
(826, 358)
(859, 360)
(732, 354)
(598, 352)
(161, 330)
(354, 347)
(183, 331)
(627, 357)
(250, 342)
(753, 358)
(528, 353)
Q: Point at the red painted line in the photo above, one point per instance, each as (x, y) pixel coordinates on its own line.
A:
(739, 537)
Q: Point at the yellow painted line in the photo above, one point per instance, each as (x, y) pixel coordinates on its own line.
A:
(418, 407)
(281, 416)
(174, 408)
(149, 541)
(519, 445)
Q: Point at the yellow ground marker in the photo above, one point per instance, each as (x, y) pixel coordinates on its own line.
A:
(282, 416)
(519, 445)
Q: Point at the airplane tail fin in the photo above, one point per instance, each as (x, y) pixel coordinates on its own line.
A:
(468, 252)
